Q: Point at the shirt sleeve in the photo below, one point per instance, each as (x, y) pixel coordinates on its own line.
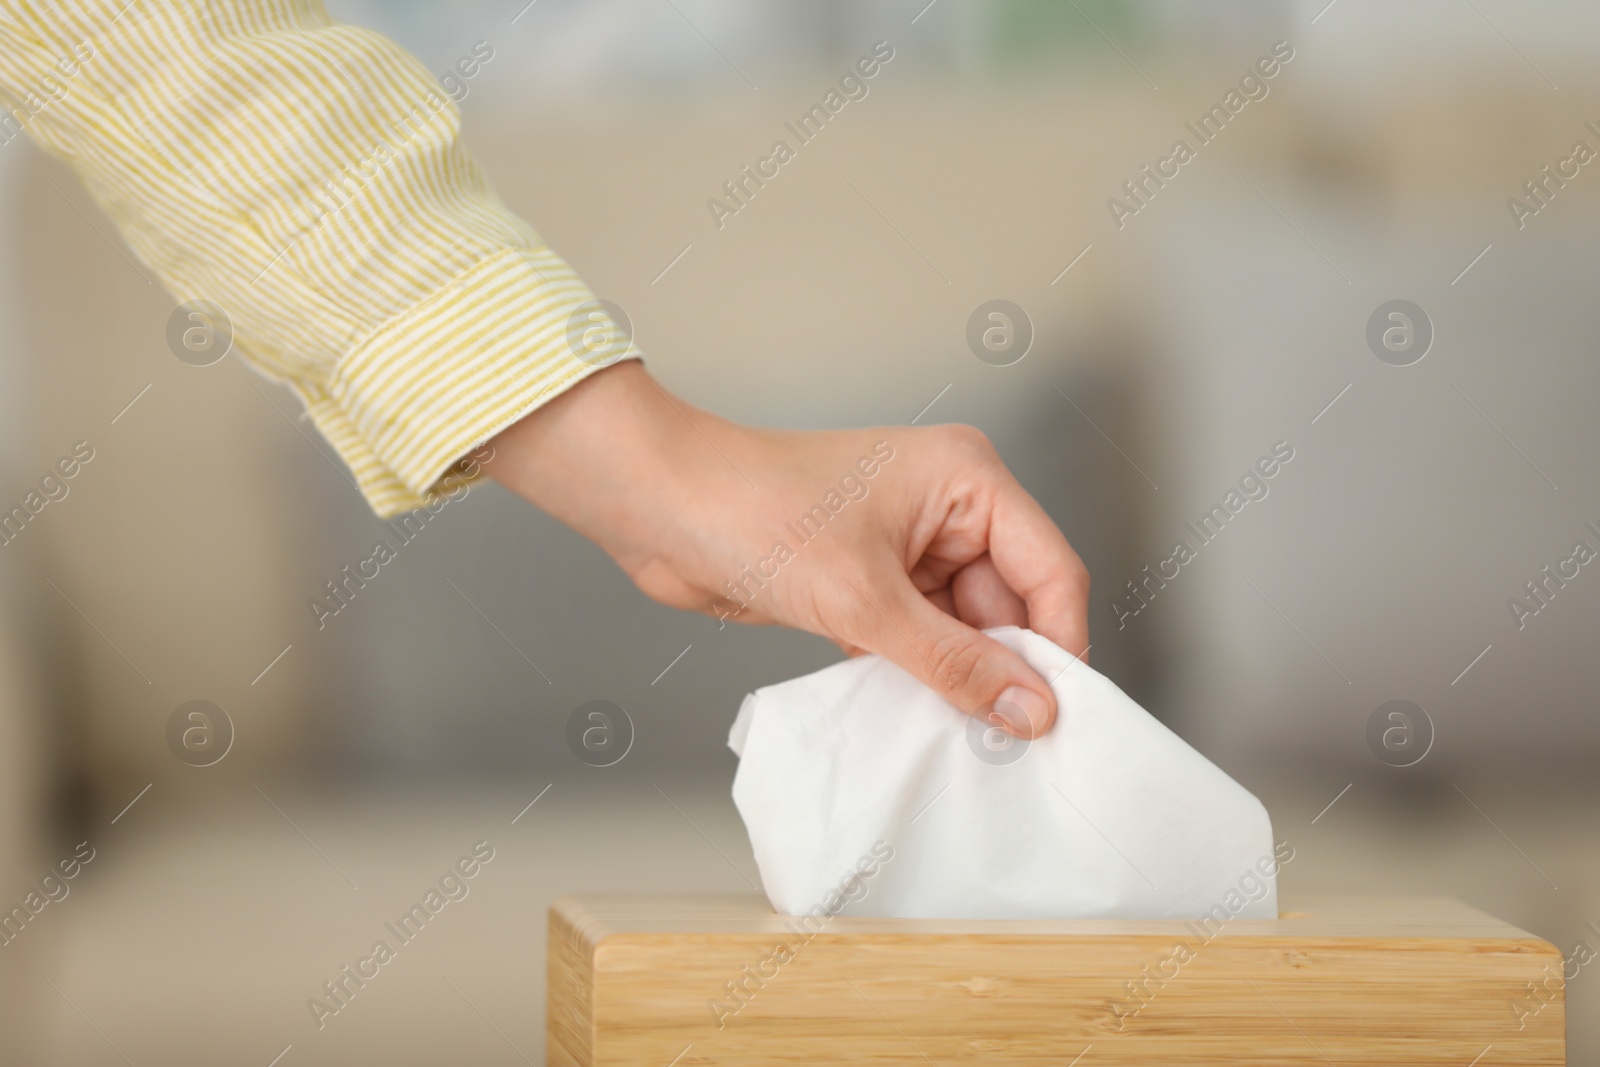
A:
(307, 178)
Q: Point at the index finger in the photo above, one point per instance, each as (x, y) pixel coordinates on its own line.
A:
(1034, 558)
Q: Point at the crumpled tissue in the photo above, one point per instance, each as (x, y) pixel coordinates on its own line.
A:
(865, 793)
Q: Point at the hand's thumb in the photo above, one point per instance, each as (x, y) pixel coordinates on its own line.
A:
(974, 672)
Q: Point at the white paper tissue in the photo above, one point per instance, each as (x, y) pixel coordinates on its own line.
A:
(1109, 815)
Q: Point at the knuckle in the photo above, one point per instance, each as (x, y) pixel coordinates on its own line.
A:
(969, 439)
(1078, 578)
(955, 659)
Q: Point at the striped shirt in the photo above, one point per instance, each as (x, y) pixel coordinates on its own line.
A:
(307, 177)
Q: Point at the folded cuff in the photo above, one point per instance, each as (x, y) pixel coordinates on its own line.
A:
(426, 388)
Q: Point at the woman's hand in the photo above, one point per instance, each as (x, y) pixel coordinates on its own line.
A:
(903, 541)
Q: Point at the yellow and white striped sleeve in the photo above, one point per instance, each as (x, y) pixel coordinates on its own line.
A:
(307, 177)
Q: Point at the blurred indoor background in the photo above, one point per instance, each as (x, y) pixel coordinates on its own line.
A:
(1228, 314)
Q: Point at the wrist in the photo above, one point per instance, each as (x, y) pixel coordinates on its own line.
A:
(606, 457)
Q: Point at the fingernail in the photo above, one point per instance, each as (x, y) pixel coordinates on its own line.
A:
(1022, 711)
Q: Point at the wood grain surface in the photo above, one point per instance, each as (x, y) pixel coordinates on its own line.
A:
(688, 981)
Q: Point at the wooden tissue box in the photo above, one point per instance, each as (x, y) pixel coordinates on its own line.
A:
(691, 980)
